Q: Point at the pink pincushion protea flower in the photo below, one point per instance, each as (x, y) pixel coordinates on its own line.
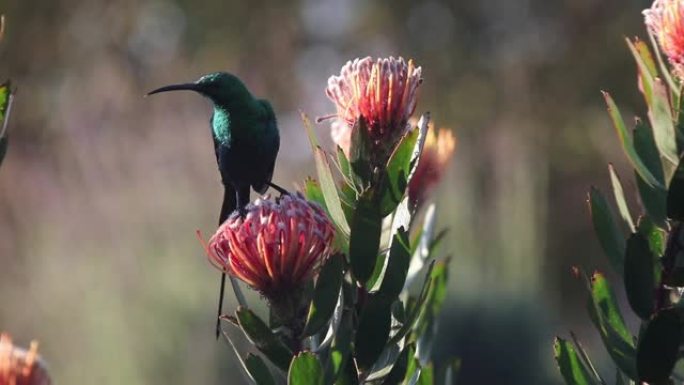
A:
(383, 92)
(437, 152)
(277, 247)
(665, 20)
(20, 367)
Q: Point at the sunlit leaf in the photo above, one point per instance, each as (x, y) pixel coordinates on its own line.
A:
(653, 197)
(619, 194)
(571, 367)
(626, 141)
(305, 369)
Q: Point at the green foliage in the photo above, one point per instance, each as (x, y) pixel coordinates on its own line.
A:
(325, 295)
(258, 370)
(648, 268)
(639, 277)
(610, 237)
(5, 105)
(571, 367)
(263, 338)
(305, 369)
(658, 347)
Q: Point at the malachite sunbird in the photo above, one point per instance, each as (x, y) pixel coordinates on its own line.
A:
(246, 142)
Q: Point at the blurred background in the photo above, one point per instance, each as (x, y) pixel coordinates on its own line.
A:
(102, 189)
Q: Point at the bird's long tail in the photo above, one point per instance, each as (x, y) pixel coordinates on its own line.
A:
(228, 206)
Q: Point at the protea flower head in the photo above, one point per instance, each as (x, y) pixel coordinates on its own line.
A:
(277, 247)
(382, 91)
(20, 367)
(437, 152)
(665, 20)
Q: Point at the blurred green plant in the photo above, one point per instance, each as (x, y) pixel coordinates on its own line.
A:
(6, 95)
(650, 259)
(371, 315)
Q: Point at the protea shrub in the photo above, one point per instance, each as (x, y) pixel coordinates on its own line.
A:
(644, 249)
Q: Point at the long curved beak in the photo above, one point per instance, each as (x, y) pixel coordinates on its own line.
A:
(176, 87)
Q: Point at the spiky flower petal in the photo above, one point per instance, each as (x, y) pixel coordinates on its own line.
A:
(276, 247)
(665, 20)
(382, 91)
(20, 367)
(437, 152)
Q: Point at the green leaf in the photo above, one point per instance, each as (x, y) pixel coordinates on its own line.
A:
(345, 167)
(361, 152)
(412, 372)
(3, 148)
(571, 367)
(417, 310)
(619, 194)
(5, 104)
(398, 169)
(305, 369)
(397, 266)
(645, 66)
(652, 197)
(654, 235)
(5, 107)
(660, 115)
(263, 338)
(341, 347)
(398, 372)
(675, 196)
(427, 375)
(332, 199)
(373, 331)
(658, 347)
(426, 325)
(348, 376)
(611, 239)
(607, 318)
(312, 191)
(638, 277)
(626, 142)
(364, 241)
(325, 295)
(258, 370)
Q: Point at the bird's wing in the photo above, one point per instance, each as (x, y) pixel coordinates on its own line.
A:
(270, 144)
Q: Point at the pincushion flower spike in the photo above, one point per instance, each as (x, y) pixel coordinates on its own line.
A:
(276, 249)
(437, 153)
(665, 20)
(19, 366)
(382, 91)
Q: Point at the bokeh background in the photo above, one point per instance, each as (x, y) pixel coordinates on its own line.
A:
(102, 189)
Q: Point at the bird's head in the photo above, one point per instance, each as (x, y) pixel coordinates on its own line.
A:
(222, 88)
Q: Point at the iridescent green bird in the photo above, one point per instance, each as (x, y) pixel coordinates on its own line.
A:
(246, 142)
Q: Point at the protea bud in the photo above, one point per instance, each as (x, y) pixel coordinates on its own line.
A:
(437, 152)
(383, 92)
(665, 20)
(277, 247)
(20, 367)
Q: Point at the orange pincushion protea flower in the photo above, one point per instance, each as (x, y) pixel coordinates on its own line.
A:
(276, 247)
(665, 20)
(383, 92)
(437, 152)
(18, 366)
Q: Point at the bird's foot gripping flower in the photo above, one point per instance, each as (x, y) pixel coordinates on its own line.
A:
(276, 248)
(665, 20)
(382, 92)
(20, 367)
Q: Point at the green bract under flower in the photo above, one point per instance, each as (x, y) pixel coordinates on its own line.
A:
(276, 247)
